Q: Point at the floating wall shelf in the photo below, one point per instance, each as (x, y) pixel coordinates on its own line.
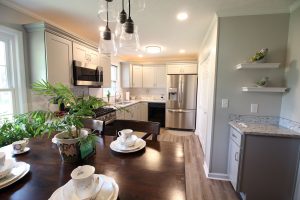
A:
(264, 89)
(258, 66)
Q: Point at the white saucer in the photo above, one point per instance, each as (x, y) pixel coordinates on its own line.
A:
(139, 144)
(19, 171)
(109, 190)
(21, 152)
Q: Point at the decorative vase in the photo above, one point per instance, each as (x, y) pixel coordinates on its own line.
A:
(69, 148)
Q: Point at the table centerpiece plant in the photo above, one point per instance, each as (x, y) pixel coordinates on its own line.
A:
(71, 136)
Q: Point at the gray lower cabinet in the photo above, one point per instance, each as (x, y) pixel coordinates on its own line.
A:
(263, 167)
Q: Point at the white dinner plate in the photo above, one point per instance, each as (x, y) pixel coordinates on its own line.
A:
(109, 190)
(140, 144)
(18, 172)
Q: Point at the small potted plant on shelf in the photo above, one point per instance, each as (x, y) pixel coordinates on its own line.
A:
(260, 56)
(71, 137)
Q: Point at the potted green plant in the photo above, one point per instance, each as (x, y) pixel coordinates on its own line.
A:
(70, 134)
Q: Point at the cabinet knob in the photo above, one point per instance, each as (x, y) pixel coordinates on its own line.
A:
(236, 156)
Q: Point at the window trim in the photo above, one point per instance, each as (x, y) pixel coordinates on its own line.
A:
(17, 70)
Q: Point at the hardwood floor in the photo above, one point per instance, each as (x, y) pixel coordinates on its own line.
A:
(198, 187)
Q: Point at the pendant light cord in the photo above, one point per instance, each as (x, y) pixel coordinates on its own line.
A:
(122, 4)
(107, 13)
(129, 8)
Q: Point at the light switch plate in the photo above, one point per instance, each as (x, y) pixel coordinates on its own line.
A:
(225, 103)
(254, 108)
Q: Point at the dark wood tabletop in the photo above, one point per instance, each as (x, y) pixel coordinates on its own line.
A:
(157, 172)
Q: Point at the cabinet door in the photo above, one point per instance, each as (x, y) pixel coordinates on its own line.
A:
(105, 62)
(120, 114)
(59, 59)
(189, 69)
(125, 75)
(174, 69)
(79, 52)
(129, 113)
(93, 57)
(144, 111)
(161, 77)
(149, 77)
(233, 163)
(137, 76)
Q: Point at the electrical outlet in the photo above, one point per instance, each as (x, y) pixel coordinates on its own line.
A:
(225, 103)
(254, 108)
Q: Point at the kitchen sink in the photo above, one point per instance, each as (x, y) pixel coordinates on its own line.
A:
(123, 103)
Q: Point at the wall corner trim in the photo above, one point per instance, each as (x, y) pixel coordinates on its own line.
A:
(215, 176)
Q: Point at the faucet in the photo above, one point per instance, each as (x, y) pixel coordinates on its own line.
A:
(117, 97)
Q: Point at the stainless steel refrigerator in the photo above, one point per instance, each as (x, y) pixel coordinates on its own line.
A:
(181, 101)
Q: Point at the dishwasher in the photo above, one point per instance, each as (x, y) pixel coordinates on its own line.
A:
(156, 113)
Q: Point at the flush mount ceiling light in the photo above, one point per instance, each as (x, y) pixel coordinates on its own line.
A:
(153, 49)
(140, 55)
(182, 16)
(182, 51)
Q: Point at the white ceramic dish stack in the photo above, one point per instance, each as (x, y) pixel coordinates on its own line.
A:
(137, 146)
(18, 171)
(106, 189)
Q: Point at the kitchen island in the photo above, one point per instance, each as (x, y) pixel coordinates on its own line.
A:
(263, 160)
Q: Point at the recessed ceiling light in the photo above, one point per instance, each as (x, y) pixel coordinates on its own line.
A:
(140, 55)
(182, 51)
(182, 16)
(101, 28)
(153, 49)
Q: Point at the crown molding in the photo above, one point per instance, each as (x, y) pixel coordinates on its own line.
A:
(251, 12)
(295, 6)
(25, 11)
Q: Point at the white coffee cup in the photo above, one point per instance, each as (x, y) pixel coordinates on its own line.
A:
(125, 134)
(20, 145)
(83, 180)
(2, 158)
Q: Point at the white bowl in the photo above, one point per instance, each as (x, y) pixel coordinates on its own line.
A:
(7, 167)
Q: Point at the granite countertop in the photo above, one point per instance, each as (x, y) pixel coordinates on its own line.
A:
(132, 102)
(263, 129)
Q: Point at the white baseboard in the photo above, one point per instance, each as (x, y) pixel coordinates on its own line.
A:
(215, 176)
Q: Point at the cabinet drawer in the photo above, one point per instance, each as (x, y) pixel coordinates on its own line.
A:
(235, 136)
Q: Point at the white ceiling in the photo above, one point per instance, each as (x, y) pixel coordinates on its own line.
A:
(157, 23)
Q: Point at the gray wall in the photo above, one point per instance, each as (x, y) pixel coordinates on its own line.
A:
(239, 38)
(291, 101)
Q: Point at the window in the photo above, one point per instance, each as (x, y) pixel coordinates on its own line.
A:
(114, 82)
(12, 74)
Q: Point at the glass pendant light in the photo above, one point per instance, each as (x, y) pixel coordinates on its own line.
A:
(129, 42)
(129, 38)
(112, 9)
(139, 5)
(107, 43)
(121, 20)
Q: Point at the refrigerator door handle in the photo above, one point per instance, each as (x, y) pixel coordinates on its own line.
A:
(181, 111)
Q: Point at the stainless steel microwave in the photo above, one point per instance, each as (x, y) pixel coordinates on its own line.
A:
(87, 75)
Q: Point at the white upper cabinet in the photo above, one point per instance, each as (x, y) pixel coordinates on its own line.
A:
(161, 76)
(182, 68)
(149, 77)
(137, 76)
(105, 62)
(84, 54)
(59, 59)
(154, 76)
(126, 75)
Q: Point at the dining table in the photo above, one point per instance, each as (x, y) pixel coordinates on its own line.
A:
(156, 172)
